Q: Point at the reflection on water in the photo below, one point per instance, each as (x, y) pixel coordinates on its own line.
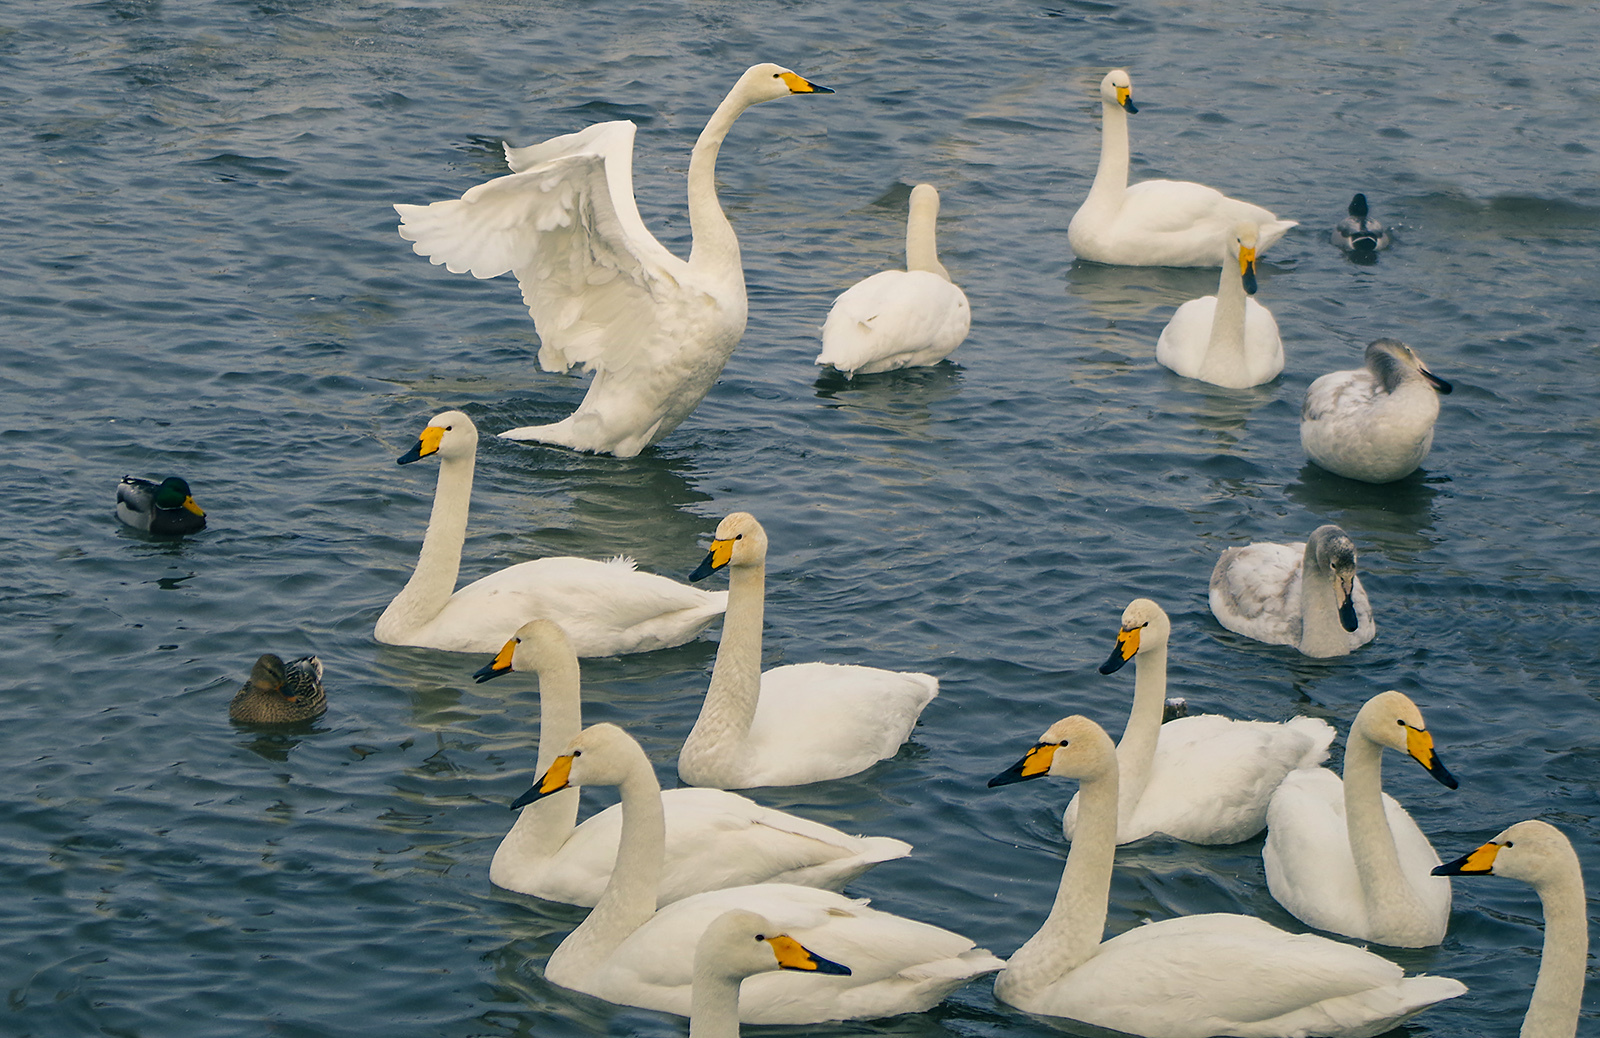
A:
(901, 403)
(1390, 517)
(1123, 293)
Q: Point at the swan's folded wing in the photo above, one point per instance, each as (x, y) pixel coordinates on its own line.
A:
(1339, 393)
(568, 227)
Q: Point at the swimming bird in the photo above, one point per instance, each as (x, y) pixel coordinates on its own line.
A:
(1306, 594)
(1154, 223)
(606, 608)
(1200, 778)
(603, 292)
(1344, 856)
(714, 838)
(1360, 232)
(280, 693)
(794, 724)
(1540, 855)
(1193, 976)
(1227, 339)
(630, 953)
(1374, 423)
(165, 507)
(899, 318)
(740, 944)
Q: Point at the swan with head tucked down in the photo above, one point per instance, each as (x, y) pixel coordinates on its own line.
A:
(1154, 223)
(630, 953)
(1194, 976)
(794, 724)
(1541, 856)
(606, 608)
(603, 292)
(1201, 778)
(1227, 339)
(899, 318)
(714, 839)
(1305, 595)
(1344, 856)
(740, 944)
(1374, 423)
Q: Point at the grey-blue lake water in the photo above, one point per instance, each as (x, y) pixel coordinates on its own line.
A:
(201, 276)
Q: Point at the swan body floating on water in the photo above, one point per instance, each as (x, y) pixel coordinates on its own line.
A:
(1344, 856)
(899, 318)
(1154, 223)
(1540, 855)
(740, 944)
(280, 693)
(1194, 976)
(793, 724)
(629, 953)
(1360, 233)
(606, 608)
(1227, 339)
(166, 507)
(714, 839)
(604, 293)
(1200, 778)
(1374, 423)
(1305, 595)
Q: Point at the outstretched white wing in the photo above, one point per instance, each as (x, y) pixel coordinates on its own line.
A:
(566, 224)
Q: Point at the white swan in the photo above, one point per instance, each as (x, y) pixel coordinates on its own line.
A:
(603, 292)
(794, 724)
(714, 839)
(606, 608)
(1360, 233)
(1375, 423)
(1540, 855)
(1345, 856)
(1191, 977)
(1305, 595)
(1227, 339)
(1201, 778)
(740, 944)
(628, 952)
(1155, 223)
(900, 318)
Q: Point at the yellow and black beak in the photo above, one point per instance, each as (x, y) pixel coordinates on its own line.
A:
(190, 506)
(427, 443)
(1125, 649)
(801, 85)
(554, 780)
(1034, 764)
(792, 955)
(1479, 863)
(1419, 743)
(501, 664)
(1125, 99)
(716, 558)
(1247, 267)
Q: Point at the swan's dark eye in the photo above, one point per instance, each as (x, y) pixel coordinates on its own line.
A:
(577, 753)
(1402, 724)
(1506, 844)
(738, 536)
(777, 75)
(762, 937)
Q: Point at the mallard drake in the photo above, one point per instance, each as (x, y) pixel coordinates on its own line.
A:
(165, 507)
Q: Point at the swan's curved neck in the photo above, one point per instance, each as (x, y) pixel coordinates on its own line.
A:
(713, 1004)
(439, 562)
(1225, 350)
(1077, 920)
(1137, 748)
(922, 247)
(629, 899)
(714, 244)
(542, 828)
(1389, 896)
(1111, 178)
(730, 703)
(1558, 993)
(1320, 632)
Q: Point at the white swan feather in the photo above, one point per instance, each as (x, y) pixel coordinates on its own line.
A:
(1374, 423)
(1227, 339)
(1306, 594)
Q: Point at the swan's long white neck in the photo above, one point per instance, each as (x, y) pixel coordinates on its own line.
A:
(629, 899)
(713, 1004)
(1077, 920)
(922, 247)
(730, 703)
(1137, 748)
(1111, 178)
(1320, 631)
(715, 245)
(439, 563)
(1558, 993)
(542, 828)
(1225, 350)
(1390, 899)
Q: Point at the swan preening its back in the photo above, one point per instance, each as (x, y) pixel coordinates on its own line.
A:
(1155, 223)
(713, 838)
(606, 608)
(1193, 976)
(1373, 423)
(1227, 339)
(1305, 595)
(900, 318)
(603, 292)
